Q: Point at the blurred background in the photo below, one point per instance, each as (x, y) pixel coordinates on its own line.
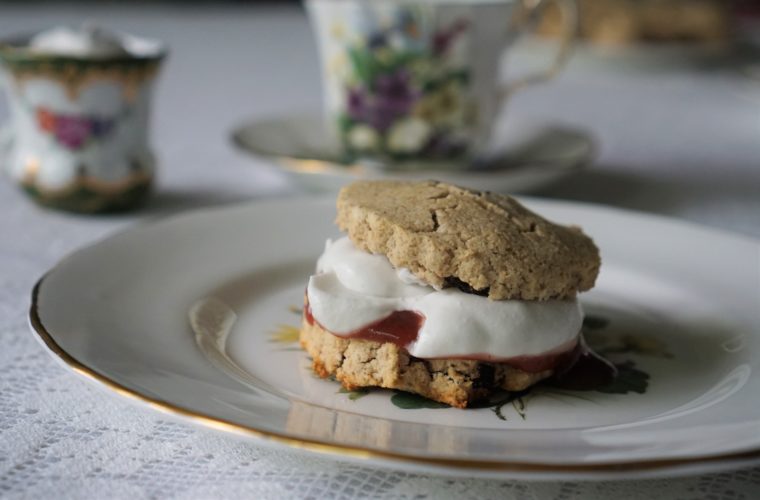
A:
(668, 89)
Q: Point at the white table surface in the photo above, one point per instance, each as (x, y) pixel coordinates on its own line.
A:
(679, 137)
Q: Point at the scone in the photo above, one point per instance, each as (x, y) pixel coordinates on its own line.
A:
(445, 292)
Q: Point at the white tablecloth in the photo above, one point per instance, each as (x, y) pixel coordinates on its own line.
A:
(677, 137)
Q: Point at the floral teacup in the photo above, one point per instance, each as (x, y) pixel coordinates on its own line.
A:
(419, 79)
(79, 105)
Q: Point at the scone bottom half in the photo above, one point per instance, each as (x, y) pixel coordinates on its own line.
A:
(479, 242)
(357, 363)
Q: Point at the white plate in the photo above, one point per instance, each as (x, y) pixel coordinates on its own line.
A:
(682, 303)
(531, 155)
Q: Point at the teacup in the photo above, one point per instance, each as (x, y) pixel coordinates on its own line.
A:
(79, 102)
(419, 79)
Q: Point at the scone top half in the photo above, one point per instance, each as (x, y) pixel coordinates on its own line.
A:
(481, 242)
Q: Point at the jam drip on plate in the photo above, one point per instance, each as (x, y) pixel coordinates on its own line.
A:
(585, 370)
(575, 365)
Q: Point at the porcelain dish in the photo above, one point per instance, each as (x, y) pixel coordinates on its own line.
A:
(197, 316)
(531, 155)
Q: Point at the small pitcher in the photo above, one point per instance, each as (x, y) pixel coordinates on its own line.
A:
(80, 102)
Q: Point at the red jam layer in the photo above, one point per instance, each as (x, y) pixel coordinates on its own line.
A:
(399, 327)
(575, 365)
(307, 313)
(559, 356)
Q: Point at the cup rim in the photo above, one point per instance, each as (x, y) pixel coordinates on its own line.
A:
(16, 48)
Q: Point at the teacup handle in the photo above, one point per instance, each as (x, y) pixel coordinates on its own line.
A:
(569, 13)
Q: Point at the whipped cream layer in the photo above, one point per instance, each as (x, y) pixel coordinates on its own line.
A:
(87, 41)
(353, 289)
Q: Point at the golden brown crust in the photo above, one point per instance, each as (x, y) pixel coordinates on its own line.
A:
(484, 242)
(362, 363)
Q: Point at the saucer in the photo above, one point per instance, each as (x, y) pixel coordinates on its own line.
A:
(533, 155)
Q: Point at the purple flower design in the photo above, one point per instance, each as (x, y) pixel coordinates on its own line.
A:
(72, 131)
(391, 97)
(443, 38)
(358, 102)
(400, 99)
(101, 127)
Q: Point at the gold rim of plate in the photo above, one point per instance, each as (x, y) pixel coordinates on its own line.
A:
(355, 452)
